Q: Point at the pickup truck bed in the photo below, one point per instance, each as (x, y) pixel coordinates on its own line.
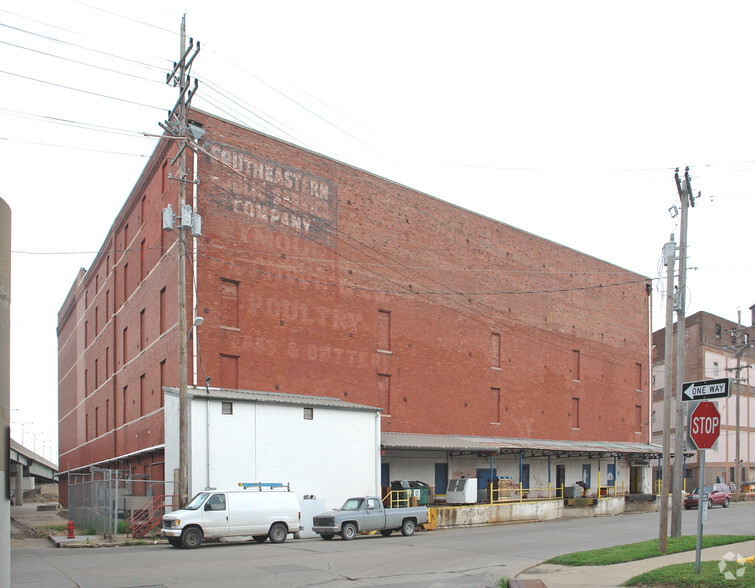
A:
(366, 513)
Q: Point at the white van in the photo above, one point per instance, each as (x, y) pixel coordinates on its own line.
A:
(259, 512)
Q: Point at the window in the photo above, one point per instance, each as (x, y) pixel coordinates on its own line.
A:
(226, 407)
(164, 178)
(96, 420)
(495, 350)
(86, 382)
(96, 321)
(96, 372)
(162, 311)
(107, 303)
(574, 413)
(141, 330)
(107, 415)
(384, 331)
(639, 376)
(638, 418)
(229, 300)
(216, 502)
(576, 365)
(125, 405)
(309, 413)
(229, 371)
(107, 363)
(125, 344)
(384, 393)
(718, 331)
(107, 266)
(141, 210)
(86, 427)
(495, 406)
(86, 334)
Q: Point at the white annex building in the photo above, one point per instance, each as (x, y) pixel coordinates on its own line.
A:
(323, 447)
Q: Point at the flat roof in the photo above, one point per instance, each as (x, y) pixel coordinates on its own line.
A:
(273, 398)
(515, 446)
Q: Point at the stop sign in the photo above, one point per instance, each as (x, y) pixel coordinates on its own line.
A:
(704, 425)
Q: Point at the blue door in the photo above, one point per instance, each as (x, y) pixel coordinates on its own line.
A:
(611, 475)
(586, 473)
(525, 475)
(483, 477)
(441, 478)
(385, 474)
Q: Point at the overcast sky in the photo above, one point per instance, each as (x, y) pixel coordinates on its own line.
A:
(565, 119)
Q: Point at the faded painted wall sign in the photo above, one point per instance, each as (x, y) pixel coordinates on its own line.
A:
(277, 194)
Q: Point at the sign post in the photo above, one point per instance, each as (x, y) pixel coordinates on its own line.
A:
(704, 429)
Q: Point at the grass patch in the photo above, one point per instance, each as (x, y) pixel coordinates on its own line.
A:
(642, 550)
(711, 576)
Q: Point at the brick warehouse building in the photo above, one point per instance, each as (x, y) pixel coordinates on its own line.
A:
(317, 278)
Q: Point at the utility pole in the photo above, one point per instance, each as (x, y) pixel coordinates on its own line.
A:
(740, 344)
(669, 255)
(177, 125)
(685, 195)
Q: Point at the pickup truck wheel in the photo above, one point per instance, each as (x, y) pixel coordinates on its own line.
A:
(191, 538)
(386, 532)
(277, 533)
(407, 528)
(260, 538)
(327, 536)
(348, 531)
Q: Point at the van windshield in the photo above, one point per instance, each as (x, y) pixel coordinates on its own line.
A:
(197, 501)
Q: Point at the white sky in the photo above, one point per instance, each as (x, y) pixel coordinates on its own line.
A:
(566, 119)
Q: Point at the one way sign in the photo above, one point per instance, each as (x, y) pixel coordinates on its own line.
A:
(706, 389)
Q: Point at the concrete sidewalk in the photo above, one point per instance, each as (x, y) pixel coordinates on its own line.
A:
(32, 518)
(609, 576)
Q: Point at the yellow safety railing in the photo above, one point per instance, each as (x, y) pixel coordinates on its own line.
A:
(521, 494)
(659, 486)
(398, 498)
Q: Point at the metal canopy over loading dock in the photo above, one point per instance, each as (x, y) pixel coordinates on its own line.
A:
(529, 448)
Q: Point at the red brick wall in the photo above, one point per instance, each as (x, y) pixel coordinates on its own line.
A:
(313, 250)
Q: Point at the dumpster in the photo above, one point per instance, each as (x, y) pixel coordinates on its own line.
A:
(420, 491)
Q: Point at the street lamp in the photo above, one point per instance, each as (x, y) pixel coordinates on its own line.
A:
(23, 439)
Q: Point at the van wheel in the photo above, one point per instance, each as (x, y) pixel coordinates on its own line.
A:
(386, 532)
(407, 528)
(277, 533)
(175, 541)
(191, 538)
(348, 531)
(260, 538)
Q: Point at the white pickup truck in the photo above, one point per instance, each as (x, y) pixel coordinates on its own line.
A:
(366, 513)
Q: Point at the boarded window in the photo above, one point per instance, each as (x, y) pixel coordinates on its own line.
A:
(107, 363)
(229, 371)
(141, 395)
(96, 420)
(309, 413)
(142, 262)
(384, 330)
(124, 345)
(639, 376)
(226, 407)
(495, 351)
(86, 334)
(96, 320)
(141, 330)
(86, 426)
(125, 282)
(384, 393)
(575, 413)
(576, 365)
(96, 372)
(638, 418)
(107, 414)
(229, 295)
(86, 382)
(162, 383)
(162, 311)
(495, 405)
(125, 405)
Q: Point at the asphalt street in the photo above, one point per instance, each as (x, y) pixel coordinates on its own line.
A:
(466, 557)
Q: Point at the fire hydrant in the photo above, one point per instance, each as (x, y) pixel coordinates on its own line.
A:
(70, 529)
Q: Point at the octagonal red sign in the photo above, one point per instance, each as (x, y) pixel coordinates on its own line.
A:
(704, 425)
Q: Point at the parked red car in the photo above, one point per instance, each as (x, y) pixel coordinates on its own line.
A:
(715, 494)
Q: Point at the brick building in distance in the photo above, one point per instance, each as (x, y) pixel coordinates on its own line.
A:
(712, 344)
(317, 278)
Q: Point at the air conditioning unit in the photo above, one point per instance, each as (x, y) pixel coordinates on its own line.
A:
(461, 491)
